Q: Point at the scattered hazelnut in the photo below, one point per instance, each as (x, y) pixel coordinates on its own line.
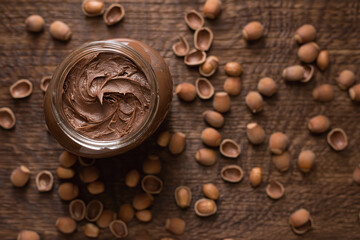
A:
(126, 212)
(275, 190)
(354, 93)
(194, 19)
(7, 118)
(89, 174)
(232, 86)
(298, 73)
(253, 31)
(183, 196)
(68, 191)
(65, 225)
(323, 93)
(229, 148)
(186, 92)
(305, 33)
(281, 161)
(142, 201)
(346, 79)
(77, 209)
(255, 133)
(212, 8)
(267, 86)
(233, 69)
(114, 14)
(356, 174)
(337, 139)
(91, 230)
(175, 225)
(94, 209)
(319, 124)
(278, 143)
(221, 102)
(301, 221)
(214, 119)
(211, 137)
(254, 101)
(209, 67)
(205, 207)
(152, 165)
(132, 178)
(206, 156)
(163, 139)
(34, 23)
(308, 52)
(177, 143)
(143, 216)
(96, 188)
(67, 159)
(255, 176)
(306, 160)
(20, 176)
(210, 191)
(323, 60)
(28, 235)
(21, 89)
(60, 31)
(92, 8)
(44, 181)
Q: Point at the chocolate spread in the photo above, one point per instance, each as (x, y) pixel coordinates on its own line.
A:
(106, 96)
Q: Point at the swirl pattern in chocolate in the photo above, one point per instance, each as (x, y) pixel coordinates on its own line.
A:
(106, 96)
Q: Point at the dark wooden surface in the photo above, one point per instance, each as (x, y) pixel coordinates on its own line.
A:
(243, 212)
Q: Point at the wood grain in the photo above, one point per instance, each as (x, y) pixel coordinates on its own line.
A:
(243, 212)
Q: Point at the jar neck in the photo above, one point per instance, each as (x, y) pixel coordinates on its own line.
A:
(55, 90)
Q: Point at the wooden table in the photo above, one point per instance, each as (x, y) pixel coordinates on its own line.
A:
(243, 212)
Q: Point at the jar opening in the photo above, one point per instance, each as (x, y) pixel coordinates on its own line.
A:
(57, 90)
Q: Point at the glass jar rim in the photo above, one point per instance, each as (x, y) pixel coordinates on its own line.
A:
(56, 87)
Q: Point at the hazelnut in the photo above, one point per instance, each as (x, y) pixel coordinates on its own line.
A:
(281, 161)
(163, 139)
(323, 93)
(94, 209)
(89, 174)
(77, 209)
(255, 176)
(253, 31)
(233, 69)
(323, 60)
(214, 119)
(126, 212)
(142, 201)
(346, 79)
(232, 86)
(278, 143)
(118, 228)
(132, 178)
(7, 118)
(60, 31)
(65, 225)
(305, 33)
(186, 91)
(91, 230)
(306, 160)
(319, 124)
(28, 235)
(206, 156)
(96, 188)
(152, 165)
(209, 67)
(114, 14)
(211, 137)
(68, 191)
(221, 102)
(301, 221)
(212, 8)
(175, 225)
(229, 148)
(92, 8)
(143, 216)
(177, 143)
(210, 191)
(254, 101)
(294, 73)
(20, 176)
(356, 174)
(205, 207)
(308, 52)
(183, 196)
(34, 23)
(267, 86)
(67, 159)
(354, 93)
(44, 83)
(255, 133)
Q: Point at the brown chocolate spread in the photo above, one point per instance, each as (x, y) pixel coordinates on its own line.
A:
(106, 96)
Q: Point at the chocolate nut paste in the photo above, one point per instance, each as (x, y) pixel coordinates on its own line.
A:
(106, 96)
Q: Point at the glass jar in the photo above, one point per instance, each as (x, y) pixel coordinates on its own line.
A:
(157, 74)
